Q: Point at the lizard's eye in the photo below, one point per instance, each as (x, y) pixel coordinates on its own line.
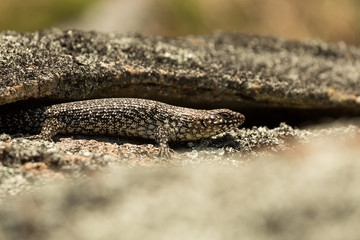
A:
(203, 122)
(225, 115)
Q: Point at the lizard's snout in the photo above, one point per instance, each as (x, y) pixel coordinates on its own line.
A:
(226, 117)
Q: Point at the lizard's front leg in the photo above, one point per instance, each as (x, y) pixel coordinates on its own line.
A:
(162, 139)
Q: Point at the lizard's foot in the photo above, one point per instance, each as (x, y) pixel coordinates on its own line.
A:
(166, 152)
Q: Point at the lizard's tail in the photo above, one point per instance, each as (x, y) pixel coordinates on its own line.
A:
(21, 121)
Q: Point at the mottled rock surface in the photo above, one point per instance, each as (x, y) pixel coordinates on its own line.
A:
(228, 69)
(310, 192)
(27, 165)
(268, 180)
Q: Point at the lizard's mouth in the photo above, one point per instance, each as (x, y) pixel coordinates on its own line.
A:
(234, 122)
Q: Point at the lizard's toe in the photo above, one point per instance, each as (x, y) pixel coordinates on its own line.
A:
(166, 152)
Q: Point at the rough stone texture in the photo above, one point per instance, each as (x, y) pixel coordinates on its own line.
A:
(27, 165)
(228, 69)
(310, 192)
(254, 182)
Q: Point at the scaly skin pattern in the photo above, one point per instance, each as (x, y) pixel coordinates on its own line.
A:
(131, 117)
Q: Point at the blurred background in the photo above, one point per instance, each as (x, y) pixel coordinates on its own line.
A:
(330, 20)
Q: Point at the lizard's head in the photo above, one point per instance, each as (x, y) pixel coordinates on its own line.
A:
(208, 123)
(223, 119)
(213, 122)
